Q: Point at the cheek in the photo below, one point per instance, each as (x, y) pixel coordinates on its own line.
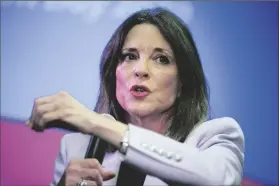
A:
(167, 86)
(121, 86)
(168, 82)
(171, 89)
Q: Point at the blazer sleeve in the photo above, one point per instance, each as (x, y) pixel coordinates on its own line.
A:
(213, 154)
(60, 162)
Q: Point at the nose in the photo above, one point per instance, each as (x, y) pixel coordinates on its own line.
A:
(141, 74)
(141, 69)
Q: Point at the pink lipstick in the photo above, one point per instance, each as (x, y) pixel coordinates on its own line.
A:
(139, 91)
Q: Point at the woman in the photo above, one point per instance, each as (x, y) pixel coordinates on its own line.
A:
(153, 83)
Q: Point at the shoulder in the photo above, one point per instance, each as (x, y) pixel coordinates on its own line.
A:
(218, 125)
(221, 124)
(225, 127)
(75, 145)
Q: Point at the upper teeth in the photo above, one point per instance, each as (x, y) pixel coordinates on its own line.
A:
(139, 89)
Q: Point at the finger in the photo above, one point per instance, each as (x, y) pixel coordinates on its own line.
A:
(91, 163)
(42, 110)
(39, 108)
(75, 173)
(48, 107)
(49, 116)
(107, 175)
(40, 102)
(92, 174)
(88, 164)
(48, 112)
(57, 114)
(41, 123)
(28, 123)
(45, 99)
(34, 127)
(94, 163)
(37, 128)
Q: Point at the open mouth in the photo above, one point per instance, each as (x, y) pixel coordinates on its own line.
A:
(138, 88)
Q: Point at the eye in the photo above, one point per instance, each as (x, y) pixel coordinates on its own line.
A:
(128, 57)
(162, 59)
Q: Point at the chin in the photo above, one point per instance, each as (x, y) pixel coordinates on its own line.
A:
(139, 110)
(139, 113)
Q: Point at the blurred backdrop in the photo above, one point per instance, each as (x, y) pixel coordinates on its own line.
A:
(52, 46)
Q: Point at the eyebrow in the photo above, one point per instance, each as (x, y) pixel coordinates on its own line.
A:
(157, 49)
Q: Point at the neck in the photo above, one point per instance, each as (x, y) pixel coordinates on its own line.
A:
(156, 123)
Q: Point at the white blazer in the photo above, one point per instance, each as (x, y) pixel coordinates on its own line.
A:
(213, 154)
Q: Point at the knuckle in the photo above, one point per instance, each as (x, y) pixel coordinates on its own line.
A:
(36, 106)
(37, 101)
(72, 163)
(63, 93)
(94, 162)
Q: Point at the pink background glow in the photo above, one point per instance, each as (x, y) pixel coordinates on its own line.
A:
(27, 158)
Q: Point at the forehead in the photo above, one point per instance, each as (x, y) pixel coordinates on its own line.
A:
(145, 37)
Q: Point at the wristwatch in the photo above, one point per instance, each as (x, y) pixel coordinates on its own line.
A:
(124, 144)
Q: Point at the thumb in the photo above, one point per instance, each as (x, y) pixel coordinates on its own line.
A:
(107, 175)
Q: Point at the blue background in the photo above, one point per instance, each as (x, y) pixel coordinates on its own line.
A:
(52, 46)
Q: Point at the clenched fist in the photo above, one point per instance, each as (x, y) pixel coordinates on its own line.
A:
(61, 106)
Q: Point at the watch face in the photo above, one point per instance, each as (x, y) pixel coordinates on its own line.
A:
(125, 142)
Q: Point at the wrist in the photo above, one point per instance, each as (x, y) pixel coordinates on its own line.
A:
(108, 129)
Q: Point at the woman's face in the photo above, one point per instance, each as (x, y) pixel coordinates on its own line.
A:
(146, 77)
